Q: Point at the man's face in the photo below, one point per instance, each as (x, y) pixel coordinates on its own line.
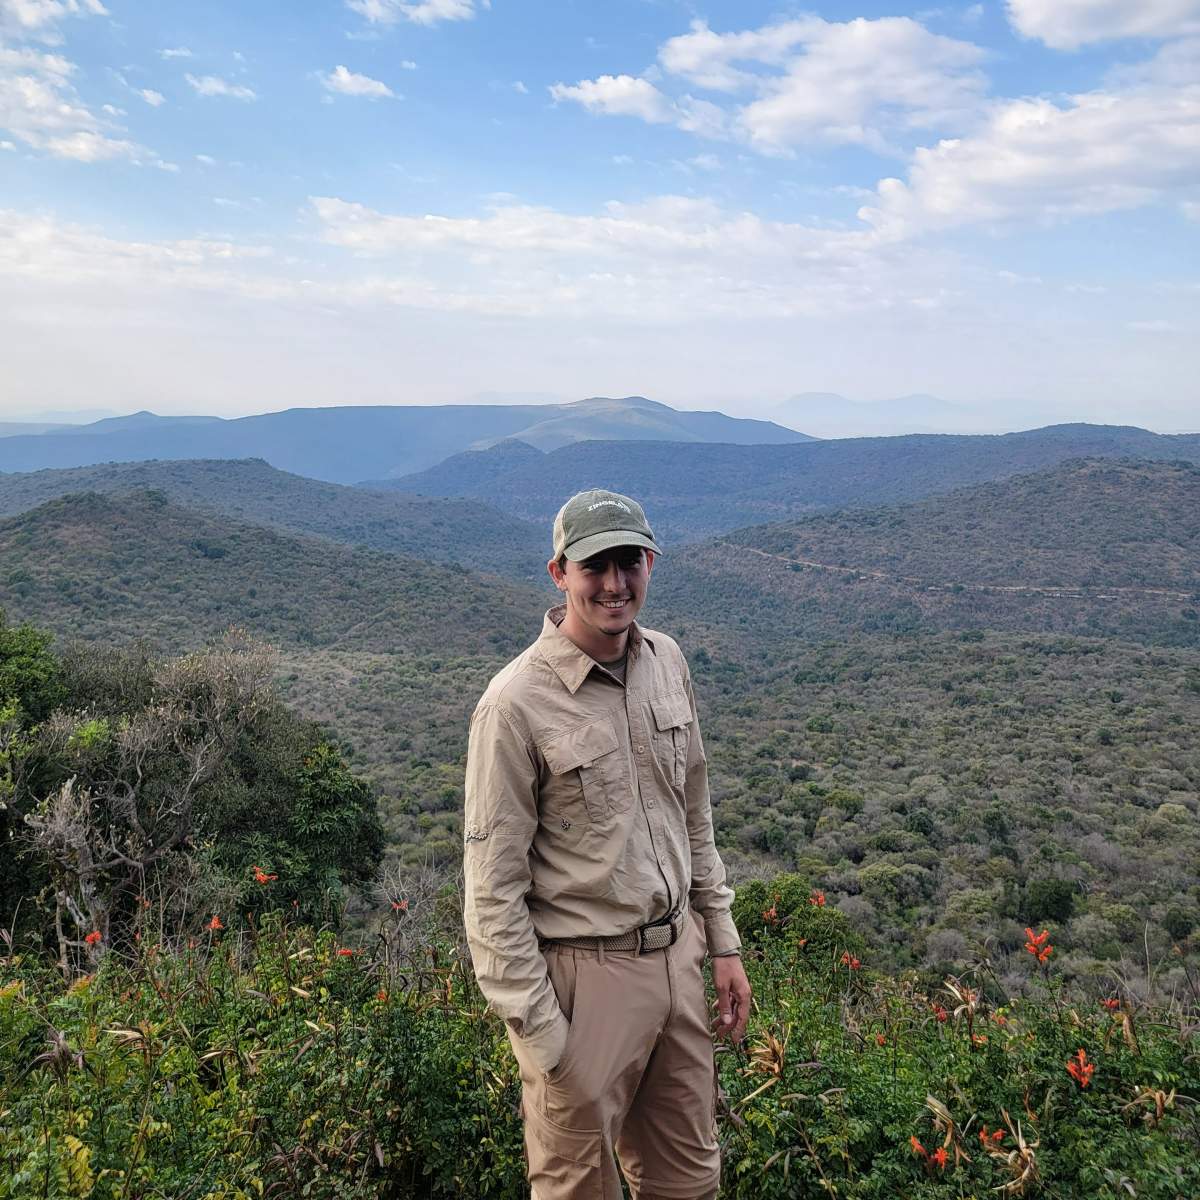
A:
(605, 593)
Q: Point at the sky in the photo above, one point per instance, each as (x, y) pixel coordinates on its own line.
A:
(248, 205)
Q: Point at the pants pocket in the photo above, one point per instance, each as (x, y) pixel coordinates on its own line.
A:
(564, 1164)
(562, 970)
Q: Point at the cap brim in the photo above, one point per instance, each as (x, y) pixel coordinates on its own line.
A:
(597, 542)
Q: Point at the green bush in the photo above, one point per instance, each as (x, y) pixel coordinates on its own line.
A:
(268, 1060)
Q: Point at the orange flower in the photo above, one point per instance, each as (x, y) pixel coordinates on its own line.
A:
(215, 923)
(344, 952)
(848, 960)
(917, 1147)
(940, 1013)
(880, 1040)
(980, 1039)
(817, 897)
(940, 1156)
(381, 995)
(400, 906)
(1037, 944)
(94, 937)
(1080, 1069)
(770, 915)
(260, 876)
(1112, 1003)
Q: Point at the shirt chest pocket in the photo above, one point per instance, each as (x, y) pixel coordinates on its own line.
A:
(672, 721)
(588, 759)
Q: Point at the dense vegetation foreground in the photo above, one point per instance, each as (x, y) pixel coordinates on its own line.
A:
(266, 1059)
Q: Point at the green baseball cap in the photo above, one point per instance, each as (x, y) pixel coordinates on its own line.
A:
(598, 520)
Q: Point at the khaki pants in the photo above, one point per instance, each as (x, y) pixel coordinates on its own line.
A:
(637, 1077)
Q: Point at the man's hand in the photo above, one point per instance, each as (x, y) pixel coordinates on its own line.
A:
(733, 997)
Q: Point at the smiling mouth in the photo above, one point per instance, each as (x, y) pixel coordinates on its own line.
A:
(612, 604)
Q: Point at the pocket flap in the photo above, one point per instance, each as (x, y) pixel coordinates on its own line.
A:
(671, 711)
(579, 747)
(556, 1142)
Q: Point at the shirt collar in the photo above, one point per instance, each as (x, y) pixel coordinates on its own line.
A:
(570, 663)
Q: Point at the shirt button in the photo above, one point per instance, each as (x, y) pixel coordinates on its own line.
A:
(641, 749)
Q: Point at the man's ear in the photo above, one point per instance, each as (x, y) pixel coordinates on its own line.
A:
(557, 574)
(649, 562)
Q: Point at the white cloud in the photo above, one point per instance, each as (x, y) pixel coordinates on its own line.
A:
(151, 97)
(1153, 326)
(705, 162)
(850, 82)
(618, 96)
(801, 82)
(214, 85)
(176, 52)
(40, 18)
(423, 12)
(519, 87)
(408, 65)
(656, 260)
(1069, 24)
(6, 145)
(347, 83)
(206, 159)
(1191, 209)
(1034, 160)
(39, 106)
(42, 250)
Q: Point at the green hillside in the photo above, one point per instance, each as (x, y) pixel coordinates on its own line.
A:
(696, 491)
(1095, 523)
(944, 785)
(138, 566)
(1094, 547)
(462, 531)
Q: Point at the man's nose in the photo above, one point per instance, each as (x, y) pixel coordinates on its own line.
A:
(614, 578)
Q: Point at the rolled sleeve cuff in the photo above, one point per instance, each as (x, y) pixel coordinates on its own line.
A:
(546, 1045)
(721, 935)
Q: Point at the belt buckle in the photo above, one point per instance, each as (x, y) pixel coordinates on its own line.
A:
(657, 930)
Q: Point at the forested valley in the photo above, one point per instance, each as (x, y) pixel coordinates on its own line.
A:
(942, 735)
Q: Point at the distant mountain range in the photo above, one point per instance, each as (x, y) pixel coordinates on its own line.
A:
(695, 491)
(350, 444)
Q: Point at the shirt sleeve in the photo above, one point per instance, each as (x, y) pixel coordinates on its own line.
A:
(710, 895)
(500, 820)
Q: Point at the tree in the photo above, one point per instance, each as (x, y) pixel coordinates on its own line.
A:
(31, 684)
(1049, 900)
(126, 809)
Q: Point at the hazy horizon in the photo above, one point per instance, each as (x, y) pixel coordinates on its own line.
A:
(863, 419)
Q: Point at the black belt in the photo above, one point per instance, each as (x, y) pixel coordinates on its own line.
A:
(657, 935)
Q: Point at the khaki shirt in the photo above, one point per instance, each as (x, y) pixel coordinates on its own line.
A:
(587, 813)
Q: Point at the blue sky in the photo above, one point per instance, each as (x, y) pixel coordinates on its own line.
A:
(243, 206)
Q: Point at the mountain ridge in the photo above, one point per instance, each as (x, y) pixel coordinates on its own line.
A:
(349, 443)
(697, 490)
(467, 532)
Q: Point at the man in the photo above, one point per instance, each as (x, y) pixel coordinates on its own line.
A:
(593, 887)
